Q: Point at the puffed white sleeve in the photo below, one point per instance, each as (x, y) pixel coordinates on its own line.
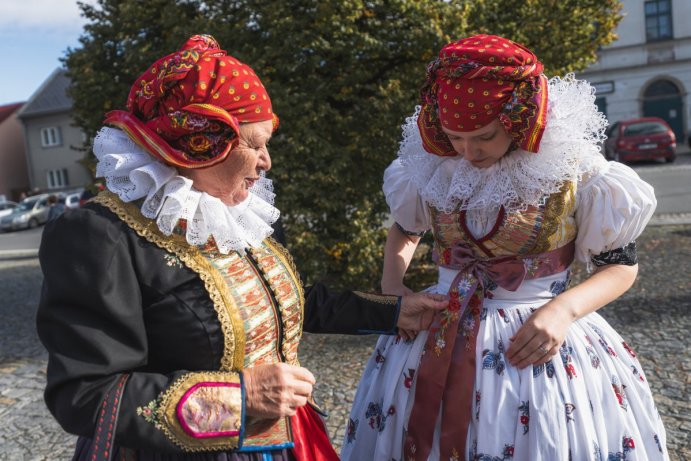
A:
(613, 207)
(408, 209)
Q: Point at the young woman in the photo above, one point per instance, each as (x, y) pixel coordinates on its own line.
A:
(504, 167)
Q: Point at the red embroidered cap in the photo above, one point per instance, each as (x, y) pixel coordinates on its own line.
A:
(476, 80)
(186, 108)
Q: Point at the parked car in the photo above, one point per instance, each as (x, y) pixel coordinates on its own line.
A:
(646, 138)
(30, 212)
(6, 208)
(72, 200)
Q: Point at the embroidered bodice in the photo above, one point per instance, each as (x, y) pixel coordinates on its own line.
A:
(536, 230)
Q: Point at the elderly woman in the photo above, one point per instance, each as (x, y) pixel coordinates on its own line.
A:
(171, 318)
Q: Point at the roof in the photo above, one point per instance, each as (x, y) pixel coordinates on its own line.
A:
(51, 96)
(9, 109)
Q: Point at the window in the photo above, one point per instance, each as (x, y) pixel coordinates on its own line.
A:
(601, 103)
(50, 136)
(57, 178)
(658, 20)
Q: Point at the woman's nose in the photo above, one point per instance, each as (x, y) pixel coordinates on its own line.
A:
(264, 162)
(468, 149)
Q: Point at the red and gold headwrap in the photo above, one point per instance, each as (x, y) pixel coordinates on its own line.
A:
(186, 108)
(476, 80)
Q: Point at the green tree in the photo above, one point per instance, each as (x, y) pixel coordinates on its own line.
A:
(343, 75)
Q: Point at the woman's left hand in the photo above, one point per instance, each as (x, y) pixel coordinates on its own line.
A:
(540, 337)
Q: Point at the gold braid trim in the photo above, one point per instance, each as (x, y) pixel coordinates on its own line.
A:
(381, 299)
(282, 253)
(226, 309)
(166, 413)
(554, 208)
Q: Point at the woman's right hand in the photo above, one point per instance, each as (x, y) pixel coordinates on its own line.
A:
(276, 390)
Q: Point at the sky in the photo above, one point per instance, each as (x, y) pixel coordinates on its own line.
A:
(34, 35)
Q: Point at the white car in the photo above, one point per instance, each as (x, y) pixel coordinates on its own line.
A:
(6, 208)
(72, 200)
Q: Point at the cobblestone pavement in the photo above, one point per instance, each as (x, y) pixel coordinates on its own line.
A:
(653, 316)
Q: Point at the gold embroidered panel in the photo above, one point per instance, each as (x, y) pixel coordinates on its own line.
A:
(532, 231)
(202, 411)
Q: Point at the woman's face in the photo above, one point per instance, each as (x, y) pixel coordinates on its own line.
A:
(482, 147)
(232, 179)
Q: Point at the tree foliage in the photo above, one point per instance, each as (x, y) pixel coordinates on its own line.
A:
(342, 76)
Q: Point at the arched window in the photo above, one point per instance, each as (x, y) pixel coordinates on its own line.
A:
(660, 89)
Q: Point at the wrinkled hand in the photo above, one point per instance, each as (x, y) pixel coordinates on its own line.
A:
(402, 290)
(418, 310)
(540, 337)
(276, 390)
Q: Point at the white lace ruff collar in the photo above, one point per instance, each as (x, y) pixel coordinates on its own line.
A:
(569, 149)
(132, 174)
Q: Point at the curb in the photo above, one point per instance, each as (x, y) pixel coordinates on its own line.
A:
(670, 219)
(18, 254)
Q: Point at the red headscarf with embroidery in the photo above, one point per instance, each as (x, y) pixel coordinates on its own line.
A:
(476, 80)
(186, 108)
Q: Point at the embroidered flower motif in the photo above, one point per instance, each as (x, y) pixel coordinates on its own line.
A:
(478, 399)
(351, 430)
(628, 349)
(524, 409)
(494, 360)
(549, 367)
(558, 287)
(594, 359)
(149, 413)
(376, 418)
(408, 378)
(569, 408)
(454, 304)
(627, 444)
(173, 261)
(565, 352)
(619, 392)
(637, 373)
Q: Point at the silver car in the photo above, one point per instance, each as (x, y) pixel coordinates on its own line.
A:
(30, 212)
(6, 208)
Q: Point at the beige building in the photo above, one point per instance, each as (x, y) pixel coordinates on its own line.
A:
(14, 178)
(647, 71)
(52, 141)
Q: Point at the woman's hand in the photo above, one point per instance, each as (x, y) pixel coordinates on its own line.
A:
(418, 310)
(276, 390)
(540, 337)
(401, 290)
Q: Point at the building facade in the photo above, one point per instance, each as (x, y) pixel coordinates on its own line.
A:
(52, 141)
(647, 70)
(14, 178)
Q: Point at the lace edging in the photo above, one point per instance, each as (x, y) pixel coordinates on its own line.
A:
(569, 151)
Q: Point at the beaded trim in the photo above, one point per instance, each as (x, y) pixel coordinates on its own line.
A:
(381, 299)
(226, 309)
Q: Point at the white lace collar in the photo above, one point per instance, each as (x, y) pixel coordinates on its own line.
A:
(569, 149)
(132, 174)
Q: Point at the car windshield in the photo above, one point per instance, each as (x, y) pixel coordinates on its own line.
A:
(636, 129)
(26, 206)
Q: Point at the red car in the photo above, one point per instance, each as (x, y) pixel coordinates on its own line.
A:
(645, 138)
